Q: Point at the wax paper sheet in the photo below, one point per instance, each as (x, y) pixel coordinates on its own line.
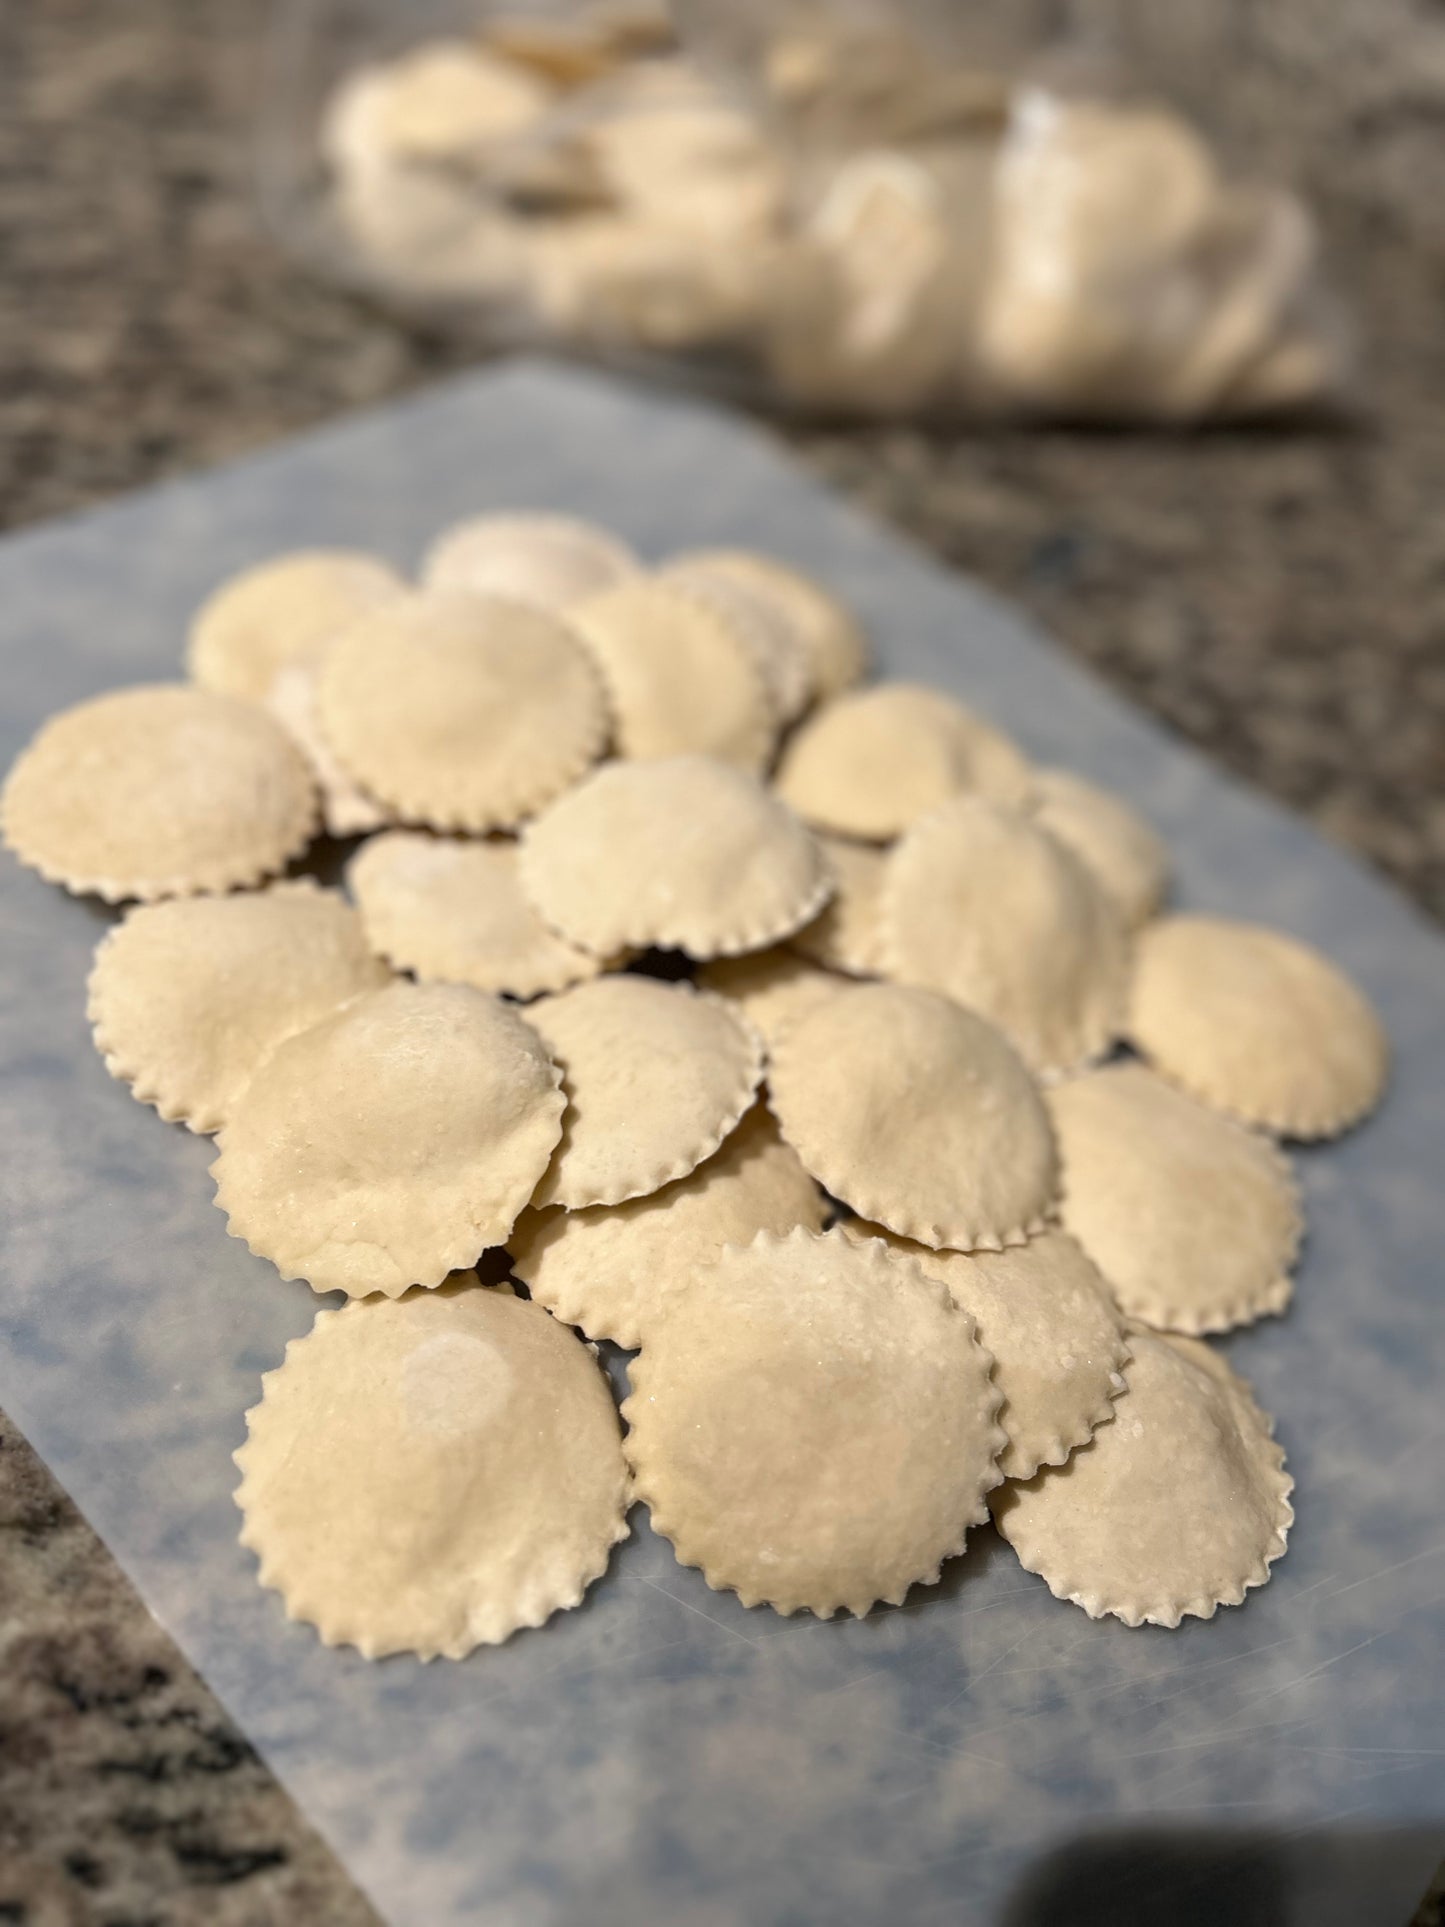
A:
(663, 1755)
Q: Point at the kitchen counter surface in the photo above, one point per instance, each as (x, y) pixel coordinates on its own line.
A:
(1279, 599)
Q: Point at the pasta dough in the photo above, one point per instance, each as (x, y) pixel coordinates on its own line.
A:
(430, 1474)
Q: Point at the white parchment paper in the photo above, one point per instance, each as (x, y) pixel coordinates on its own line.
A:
(663, 1755)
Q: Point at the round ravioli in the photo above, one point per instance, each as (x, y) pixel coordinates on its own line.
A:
(1194, 1220)
(158, 791)
(680, 674)
(770, 987)
(813, 1424)
(452, 911)
(391, 1143)
(916, 1114)
(608, 1268)
(428, 1474)
(462, 712)
(1175, 1508)
(873, 762)
(655, 1076)
(1126, 857)
(1055, 1331)
(244, 634)
(984, 906)
(551, 561)
(187, 997)
(772, 636)
(834, 642)
(848, 936)
(1258, 1024)
(686, 853)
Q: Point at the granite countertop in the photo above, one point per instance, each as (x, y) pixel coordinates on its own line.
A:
(1280, 599)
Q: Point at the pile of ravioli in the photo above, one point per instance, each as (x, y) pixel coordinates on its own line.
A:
(865, 228)
(795, 1034)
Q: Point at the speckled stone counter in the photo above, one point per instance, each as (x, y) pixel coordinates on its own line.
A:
(126, 1795)
(1279, 599)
